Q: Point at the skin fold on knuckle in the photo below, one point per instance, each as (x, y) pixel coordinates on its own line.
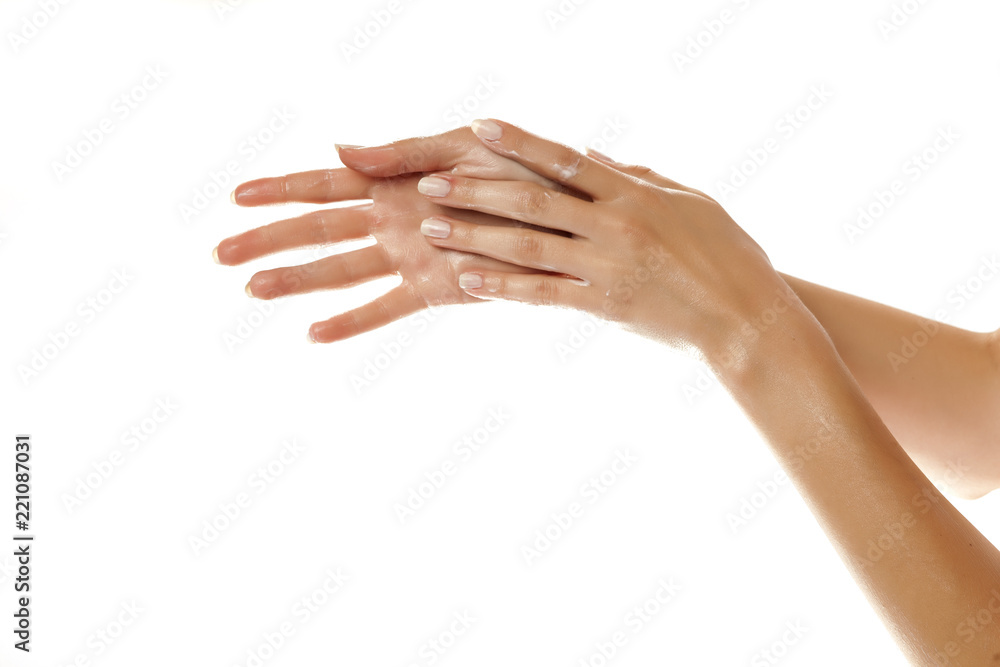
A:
(286, 282)
(533, 201)
(317, 227)
(527, 248)
(545, 292)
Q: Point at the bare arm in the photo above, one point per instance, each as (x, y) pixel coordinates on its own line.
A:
(673, 266)
(932, 577)
(938, 393)
(936, 387)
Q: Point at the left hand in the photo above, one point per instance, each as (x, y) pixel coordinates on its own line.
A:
(665, 262)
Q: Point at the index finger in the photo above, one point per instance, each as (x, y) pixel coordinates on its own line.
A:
(553, 160)
(312, 187)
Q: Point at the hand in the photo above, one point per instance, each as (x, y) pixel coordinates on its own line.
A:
(663, 260)
(429, 276)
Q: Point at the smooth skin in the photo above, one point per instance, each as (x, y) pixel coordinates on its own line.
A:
(670, 264)
(429, 276)
(940, 405)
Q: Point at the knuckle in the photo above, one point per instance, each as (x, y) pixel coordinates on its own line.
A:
(637, 236)
(292, 278)
(545, 292)
(350, 323)
(527, 246)
(267, 285)
(342, 269)
(649, 195)
(498, 285)
(266, 236)
(316, 225)
(534, 201)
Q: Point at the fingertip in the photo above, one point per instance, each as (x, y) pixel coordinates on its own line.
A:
(215, 255)
(323, 332)
(376, 161)
(260, 192)
(486, 129)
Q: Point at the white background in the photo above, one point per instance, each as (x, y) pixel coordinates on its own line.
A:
(605, 65)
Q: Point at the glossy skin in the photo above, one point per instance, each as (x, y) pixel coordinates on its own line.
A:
(668, 263)
(429, 276)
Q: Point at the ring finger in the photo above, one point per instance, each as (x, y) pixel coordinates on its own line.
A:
(515, 245)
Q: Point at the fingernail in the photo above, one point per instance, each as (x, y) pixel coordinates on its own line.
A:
(600, 156)
(470, 281)
(435, 227)
(215, 255)
(309, 335)
(232, 196)
(340, 147)
(247, 290)
(434, 186)
(487, 129)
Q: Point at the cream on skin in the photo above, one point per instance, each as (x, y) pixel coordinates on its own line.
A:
(707, 284)
(788, 377)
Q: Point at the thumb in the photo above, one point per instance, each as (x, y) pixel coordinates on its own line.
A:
(643, 173)
(409, 156)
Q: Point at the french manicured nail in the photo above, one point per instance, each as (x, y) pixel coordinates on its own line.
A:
(232, 196)
(436, 228)
(247, 290)
(434, 186)
(215, 255)
(600, 156)
(341, 146)
(487, 129)
(470, 281)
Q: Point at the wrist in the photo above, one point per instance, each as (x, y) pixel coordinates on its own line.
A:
(776, 330)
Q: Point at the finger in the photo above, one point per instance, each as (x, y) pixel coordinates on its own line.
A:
(644, 173)
(343, 270)
(436, 153)
(515, 245)
(538, 289)
(313, 187)
(394, 305)
(312, 229)
(550, 159)
(518, 200)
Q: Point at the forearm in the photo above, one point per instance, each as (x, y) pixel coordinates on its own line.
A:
(934, 385)
(922, 565)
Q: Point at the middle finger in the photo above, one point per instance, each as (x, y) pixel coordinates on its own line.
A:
(518, 200)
